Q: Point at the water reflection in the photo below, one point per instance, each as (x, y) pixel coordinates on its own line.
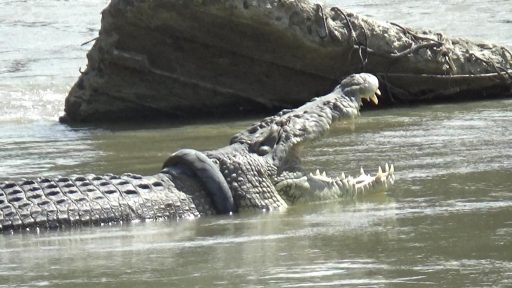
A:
(252, 248)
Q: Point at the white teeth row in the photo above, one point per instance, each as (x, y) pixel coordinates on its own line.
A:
(322, 176)
(362, 182)
(388, 169)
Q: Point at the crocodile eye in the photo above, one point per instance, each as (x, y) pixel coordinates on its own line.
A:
(215, 161)
(266, 141)
(264, 150)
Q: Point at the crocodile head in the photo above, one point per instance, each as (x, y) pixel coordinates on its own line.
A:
(261, 168)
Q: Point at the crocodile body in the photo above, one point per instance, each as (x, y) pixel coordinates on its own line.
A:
(259, 169)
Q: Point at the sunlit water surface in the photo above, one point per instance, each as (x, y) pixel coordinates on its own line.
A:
(446, 223)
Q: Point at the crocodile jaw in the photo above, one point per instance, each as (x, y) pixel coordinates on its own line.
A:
(361, 86)
(319, 187)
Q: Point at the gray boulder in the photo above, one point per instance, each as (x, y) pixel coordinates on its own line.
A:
(200, 58)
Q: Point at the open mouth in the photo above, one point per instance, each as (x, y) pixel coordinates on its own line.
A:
(361, 183)
(318, 186)
(373, 98)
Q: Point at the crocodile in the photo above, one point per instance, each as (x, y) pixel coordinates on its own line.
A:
(259, 169)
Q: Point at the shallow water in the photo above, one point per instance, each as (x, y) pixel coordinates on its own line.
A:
(447, 222)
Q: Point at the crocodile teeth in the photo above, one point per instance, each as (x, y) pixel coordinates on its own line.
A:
(374, 99)
(343, 175)
(392, 169)
(386, 167)
(362, 172)
(380, 171)
(321, 176)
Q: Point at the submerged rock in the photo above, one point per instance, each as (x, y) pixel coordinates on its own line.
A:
(200, 58)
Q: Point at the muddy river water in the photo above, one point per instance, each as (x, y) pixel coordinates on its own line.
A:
(447, 221)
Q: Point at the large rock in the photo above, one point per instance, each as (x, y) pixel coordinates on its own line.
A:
(206, 58)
